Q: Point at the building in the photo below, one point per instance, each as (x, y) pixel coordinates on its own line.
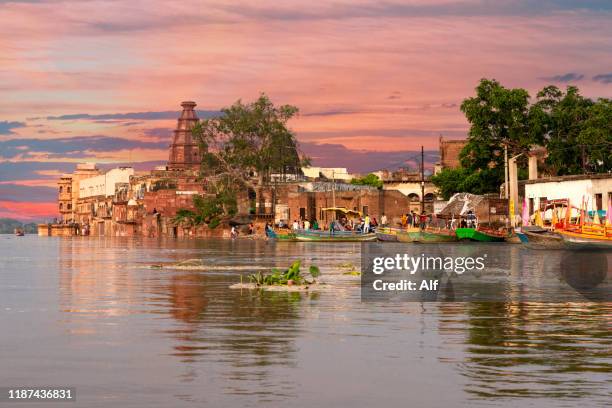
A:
(595, 190)
(450, 151)
(68, 190)
(184, 150)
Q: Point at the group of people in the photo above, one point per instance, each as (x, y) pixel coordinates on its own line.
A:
(412, 219)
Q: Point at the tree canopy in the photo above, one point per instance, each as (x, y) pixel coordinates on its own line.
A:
(576, 131)
(369, 180)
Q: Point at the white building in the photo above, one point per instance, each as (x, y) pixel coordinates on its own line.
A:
(594, 189)
(331, 173)
(104, 184)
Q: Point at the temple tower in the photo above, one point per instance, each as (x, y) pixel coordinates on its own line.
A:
(184, 150)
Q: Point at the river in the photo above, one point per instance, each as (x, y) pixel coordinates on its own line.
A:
(95, 315)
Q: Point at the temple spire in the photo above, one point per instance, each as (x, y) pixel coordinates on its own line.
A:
(184, 151)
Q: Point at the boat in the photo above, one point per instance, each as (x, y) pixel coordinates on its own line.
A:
(333, 236)
(429, 235)
(405, 236)
(588, 236)
(480, 235)
(285, 237)
(19, 232)
(387, 234)
(543, 239)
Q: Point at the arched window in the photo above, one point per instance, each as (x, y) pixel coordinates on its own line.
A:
(61, 206)
(61, 189)
(69, 189)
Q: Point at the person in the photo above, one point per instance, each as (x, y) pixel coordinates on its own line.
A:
(471, 219)
(415, 219)
(251, 229)
(423, 220)
(404, 220)
(383, 220)
(296, 226)
(315, 225)
(306, 225)
(409, 219)
(269, 231)
(234, 232)
(366, 224)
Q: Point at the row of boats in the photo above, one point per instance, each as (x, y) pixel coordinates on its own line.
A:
(537, 237)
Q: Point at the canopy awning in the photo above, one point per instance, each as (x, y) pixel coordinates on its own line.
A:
(343, 210)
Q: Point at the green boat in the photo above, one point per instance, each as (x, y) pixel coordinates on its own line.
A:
(287, 237)
(432, 235)
(387, 234)
(407, 235)
(478, 235)
(333, 236)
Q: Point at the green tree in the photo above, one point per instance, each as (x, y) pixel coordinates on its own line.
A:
(242, 147)
(369, 180)
(596, 137)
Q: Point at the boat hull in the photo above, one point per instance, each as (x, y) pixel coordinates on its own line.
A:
(405, 235)
(544, 240)
(337, 236)
(586, 241)
(387, 234)
(432, 236)
(476, 235)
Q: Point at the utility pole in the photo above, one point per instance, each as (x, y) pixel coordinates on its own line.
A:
(334, 190)
(506, 187)
(422, 180)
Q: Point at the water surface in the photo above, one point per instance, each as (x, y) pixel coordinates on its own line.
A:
(92, 314)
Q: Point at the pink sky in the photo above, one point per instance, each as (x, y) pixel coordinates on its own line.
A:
(366, 75)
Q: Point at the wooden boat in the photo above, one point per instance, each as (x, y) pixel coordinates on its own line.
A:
(479, 235)
(544, 239)
(333, 236)
(431, 235)
(284, 237)
(19, 232)
(405, 236)
(588, 236)
(387, 234)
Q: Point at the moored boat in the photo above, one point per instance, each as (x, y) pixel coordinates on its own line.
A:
(19, 232)
(284, 237)
(479, 235)
(587, 237)
(405, 236)
(432, 235)
(544, 239)
(387, 234)
(333, 236)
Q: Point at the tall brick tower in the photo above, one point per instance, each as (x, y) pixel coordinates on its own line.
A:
(184, 150)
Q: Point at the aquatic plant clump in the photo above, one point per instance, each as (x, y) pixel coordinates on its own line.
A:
(291, 276)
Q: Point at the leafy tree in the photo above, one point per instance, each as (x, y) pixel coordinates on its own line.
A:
(498, 117)
(596, 137)
(248, 140)
(369, 180)
(562, 119)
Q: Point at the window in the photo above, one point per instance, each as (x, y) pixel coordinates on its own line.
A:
(70, 206)
(61, 189)
(68, 189)
(61, 206)
(365, 210)
(302, 213)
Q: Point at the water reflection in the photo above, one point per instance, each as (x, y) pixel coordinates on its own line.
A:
(217, 345)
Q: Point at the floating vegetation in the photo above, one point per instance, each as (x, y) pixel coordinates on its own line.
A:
(289, 277)
(354, 272)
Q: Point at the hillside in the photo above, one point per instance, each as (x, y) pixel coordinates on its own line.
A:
(8, 225)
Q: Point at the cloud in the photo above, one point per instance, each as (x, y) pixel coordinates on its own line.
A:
(603, 78)
(27, 194)
(73, 147)
(362, 161)
(160, 115)
(569, 77)
(6, 127)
